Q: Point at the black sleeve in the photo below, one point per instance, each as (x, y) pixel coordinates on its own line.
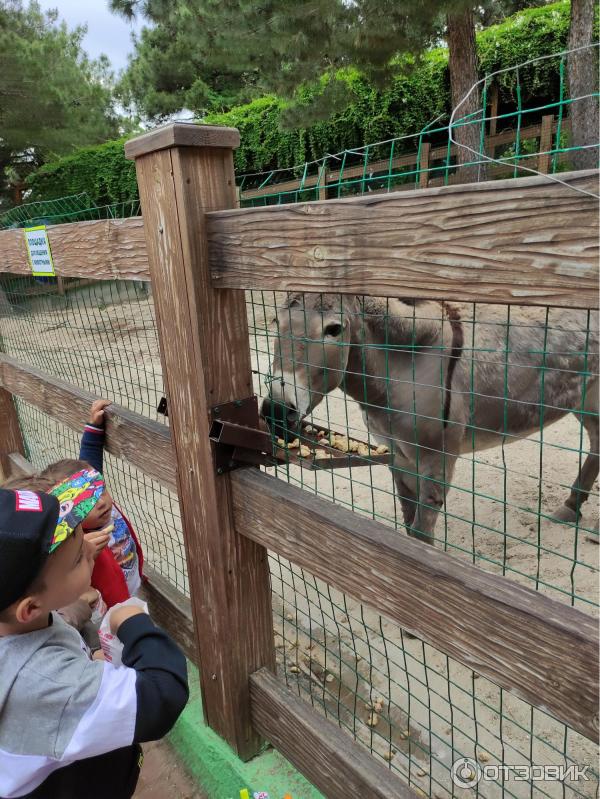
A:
(92, 446)
(161, 681)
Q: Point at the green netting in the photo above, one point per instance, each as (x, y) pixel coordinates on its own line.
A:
(498, 513)
(500, 509)
(76, 208)
(412, 706)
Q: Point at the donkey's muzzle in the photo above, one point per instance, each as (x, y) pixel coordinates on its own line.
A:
(283, 420)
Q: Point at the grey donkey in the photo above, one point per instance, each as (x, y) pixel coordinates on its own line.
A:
(432, 386)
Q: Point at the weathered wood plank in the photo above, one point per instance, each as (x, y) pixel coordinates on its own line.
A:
(19, 466)
(182, 134)
(543, 651)
(143, 442)
(546, 130)
(171, 610)
(206, 361)
(527, 241)
(424, 164)
(11, 440)
(325, 754)
(106, 249)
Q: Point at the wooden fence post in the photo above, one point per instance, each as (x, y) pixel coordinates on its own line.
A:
(183, 171)
(544, 156)
(11, 440)
(424, 173)
(322, 182)
(493, 101)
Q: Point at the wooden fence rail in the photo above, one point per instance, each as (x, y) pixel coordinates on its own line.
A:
(144, 443)
(527, 241)
(541, 650)
(105, 249)
(532, 241)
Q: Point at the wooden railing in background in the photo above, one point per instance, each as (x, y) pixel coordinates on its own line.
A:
(428, 161)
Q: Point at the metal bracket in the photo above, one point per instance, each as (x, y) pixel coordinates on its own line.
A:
(237, 438)
(162, 407)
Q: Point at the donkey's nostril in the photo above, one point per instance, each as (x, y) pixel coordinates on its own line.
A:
(281, 418)
(293, 417)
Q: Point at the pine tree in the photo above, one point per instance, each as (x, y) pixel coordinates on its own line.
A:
(52, 97)
(305, 50)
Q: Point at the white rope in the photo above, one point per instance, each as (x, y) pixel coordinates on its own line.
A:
(483, 158)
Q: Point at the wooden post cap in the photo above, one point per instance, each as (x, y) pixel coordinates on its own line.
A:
(182, 134)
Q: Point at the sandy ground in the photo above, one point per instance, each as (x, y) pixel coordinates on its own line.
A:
(335, 652)
(163, 775)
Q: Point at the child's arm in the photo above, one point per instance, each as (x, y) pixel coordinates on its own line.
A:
(86, 708)
(92, 441)
(161, 672)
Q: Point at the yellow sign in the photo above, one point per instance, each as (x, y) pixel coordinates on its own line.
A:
(38, 250)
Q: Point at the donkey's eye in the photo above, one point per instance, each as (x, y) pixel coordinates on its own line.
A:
(333, 330)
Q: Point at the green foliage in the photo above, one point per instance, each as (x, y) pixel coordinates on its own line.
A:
(168, 70)
(102, 172)
(419, 94)
(53, 98)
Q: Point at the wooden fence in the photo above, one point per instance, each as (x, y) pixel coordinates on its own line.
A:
(426, 164)
(529, 241)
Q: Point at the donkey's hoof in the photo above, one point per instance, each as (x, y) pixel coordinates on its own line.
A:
(566, 514)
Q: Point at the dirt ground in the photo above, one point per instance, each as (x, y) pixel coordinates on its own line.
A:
(163, 775)
(340, 655)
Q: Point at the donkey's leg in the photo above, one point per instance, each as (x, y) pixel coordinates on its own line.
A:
(570, 511)
(435, 476)
(405, 483)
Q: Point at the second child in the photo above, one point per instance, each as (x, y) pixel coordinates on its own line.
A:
(119, 560)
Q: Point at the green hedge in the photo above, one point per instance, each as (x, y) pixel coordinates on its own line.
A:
(417, 96)
(102, 171)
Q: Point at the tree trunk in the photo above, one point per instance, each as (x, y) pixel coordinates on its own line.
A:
(463, 76)
(18, 193)
(582, 73)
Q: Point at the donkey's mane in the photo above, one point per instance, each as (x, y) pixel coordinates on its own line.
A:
(405, 320)
(398, 321)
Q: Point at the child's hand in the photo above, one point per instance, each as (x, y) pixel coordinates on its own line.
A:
(118, 616)
(97, 412)
(98, 655)
(100, 538)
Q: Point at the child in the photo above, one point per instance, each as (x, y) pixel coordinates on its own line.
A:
(79, 613)
(117, 573)
(70, 726)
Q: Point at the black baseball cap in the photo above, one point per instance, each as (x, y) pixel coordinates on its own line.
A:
(32, 525)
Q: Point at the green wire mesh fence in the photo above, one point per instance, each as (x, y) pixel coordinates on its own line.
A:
(366, 380)
(100, 336)
(363, 383)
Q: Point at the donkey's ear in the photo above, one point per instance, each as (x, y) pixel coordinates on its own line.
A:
(352, 306)
(294, 300)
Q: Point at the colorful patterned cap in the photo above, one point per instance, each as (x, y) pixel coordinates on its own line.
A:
(77, 495)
